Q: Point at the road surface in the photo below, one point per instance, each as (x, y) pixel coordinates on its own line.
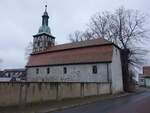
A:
(136, 103)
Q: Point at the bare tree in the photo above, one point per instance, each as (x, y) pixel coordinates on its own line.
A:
(99, 25)
(28, 50)
(76, 36)
(125, 28)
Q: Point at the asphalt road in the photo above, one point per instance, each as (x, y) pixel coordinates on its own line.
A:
(136, 103)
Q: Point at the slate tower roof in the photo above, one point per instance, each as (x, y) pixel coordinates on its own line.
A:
(45, 27)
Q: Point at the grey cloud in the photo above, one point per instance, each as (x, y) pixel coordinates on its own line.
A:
(20, 19)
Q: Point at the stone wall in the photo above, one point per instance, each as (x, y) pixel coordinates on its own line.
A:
(23, 93)
(75, 73)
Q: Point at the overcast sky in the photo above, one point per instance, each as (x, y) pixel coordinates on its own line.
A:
(20, 19)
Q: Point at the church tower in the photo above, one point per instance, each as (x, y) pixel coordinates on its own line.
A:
(43, 39)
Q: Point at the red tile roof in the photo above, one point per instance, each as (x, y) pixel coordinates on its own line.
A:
(146, 71)
(80, 44)
(92, 51)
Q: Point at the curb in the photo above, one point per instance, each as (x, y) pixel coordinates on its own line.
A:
(64, 107)
(75, 105)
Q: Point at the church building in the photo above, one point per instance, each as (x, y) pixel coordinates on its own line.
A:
(95, 60)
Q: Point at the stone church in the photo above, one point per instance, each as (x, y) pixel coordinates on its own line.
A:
(95, 60)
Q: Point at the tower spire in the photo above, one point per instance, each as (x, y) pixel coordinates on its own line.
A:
(45, 17)
(43, 39)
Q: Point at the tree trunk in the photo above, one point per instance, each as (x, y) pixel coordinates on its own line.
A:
(125, 69)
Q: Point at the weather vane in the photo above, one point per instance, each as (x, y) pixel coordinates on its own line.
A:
(45, 4)
(46, 7)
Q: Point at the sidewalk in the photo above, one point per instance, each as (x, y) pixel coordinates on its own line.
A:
(49, 106)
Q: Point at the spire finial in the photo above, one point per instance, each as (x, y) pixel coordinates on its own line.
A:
(46, 8)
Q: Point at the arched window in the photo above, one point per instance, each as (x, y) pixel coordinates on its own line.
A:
(38, 43)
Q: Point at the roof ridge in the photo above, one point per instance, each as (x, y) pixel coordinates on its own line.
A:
(86, 41)
(75, 45)
(83, 43)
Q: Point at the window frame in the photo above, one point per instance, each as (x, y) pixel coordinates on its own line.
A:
(94, 69)
(37, 71)
(48, 70)
(65, 70)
